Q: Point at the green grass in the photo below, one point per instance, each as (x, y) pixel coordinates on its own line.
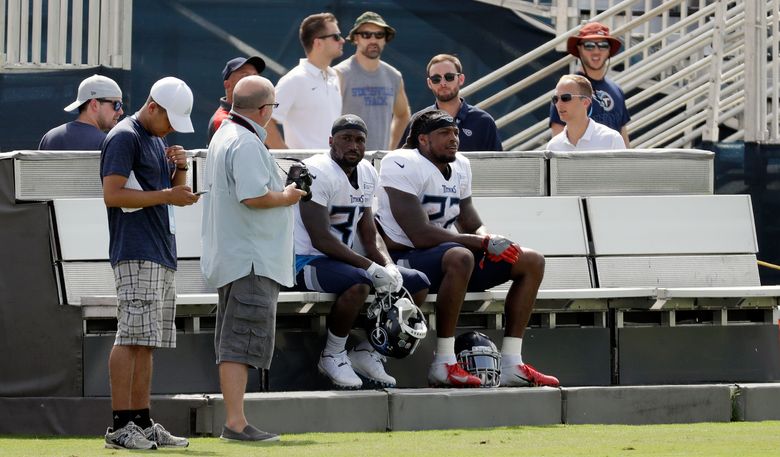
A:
(708, 439)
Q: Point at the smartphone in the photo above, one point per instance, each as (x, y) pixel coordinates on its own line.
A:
(201, 192)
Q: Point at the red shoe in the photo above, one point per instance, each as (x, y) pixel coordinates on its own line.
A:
(526, 376)
(446, 375)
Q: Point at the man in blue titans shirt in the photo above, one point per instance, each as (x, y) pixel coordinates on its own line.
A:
(477, 130)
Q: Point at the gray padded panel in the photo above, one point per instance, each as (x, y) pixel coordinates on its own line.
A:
(647, 404)
(97, 278)
(758, 402)
(49, 175)
(567, 273)
(47, 179)
(82, 228)
(431, 409)
(507, 174)
(678, 271)
(634, 172)
(703, 224)
(554, 226)
(302, 412)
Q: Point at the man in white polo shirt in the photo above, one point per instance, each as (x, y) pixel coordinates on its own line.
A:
(309, 96)
(573, 99)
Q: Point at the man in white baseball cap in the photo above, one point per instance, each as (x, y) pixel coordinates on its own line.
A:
(99, 105)
(139, 170)
(174, 95)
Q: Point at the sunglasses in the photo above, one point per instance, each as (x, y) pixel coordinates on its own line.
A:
(367, 35)
(275, 105)
(117, 103)
(591, 45)
(449, 77)
(566, 97)
(335, 36)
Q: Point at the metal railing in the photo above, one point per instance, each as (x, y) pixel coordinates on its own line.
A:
(60, 34)
(689, 68)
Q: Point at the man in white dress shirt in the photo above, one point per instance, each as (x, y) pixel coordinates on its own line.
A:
(573, 98)
(309, 96)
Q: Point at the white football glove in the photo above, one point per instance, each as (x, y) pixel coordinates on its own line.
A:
(398, 280)
(382, 279)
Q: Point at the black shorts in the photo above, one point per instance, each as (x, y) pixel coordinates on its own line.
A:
(429, 261)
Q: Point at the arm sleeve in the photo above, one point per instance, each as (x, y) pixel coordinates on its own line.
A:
(285, 97)
(250, 172)
(399, 173)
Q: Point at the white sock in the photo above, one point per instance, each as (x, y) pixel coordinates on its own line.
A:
(445, 351)
(511, 351)
(334, 344)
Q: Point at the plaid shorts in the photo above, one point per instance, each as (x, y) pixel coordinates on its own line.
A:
(146, 304)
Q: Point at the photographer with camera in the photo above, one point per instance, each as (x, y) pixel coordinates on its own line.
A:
(343, 186)
(247, 246)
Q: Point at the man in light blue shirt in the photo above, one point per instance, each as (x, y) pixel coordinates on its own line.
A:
(247, 246)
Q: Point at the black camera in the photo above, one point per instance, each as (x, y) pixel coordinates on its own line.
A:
(299, 175)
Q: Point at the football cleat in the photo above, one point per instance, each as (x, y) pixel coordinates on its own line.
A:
(338, 369)
(451, 375)
(367, 362)
(526, 376)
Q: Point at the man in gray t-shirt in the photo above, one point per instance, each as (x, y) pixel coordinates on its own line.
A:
(372, 89)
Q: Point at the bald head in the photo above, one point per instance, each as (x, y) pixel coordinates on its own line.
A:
(253, 97)
(251, 92)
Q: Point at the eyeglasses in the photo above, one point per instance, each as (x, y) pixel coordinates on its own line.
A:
(367, 35)
(591, 45)
(335, 36)
(117, 103)
(449, 77)
(565, 98)
(275, 105)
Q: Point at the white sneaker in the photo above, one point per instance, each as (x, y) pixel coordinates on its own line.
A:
(368, 363)
(338, 368)
(128, 437)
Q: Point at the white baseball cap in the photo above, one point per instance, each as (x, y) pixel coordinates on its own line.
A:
(95, 86)
(174, 95)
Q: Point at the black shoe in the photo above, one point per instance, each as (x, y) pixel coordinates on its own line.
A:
(250, 433)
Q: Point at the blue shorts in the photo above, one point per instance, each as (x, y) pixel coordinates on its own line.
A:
(428, 261)
(324, 274)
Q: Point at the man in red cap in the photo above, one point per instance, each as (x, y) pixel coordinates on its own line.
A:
(593, 45)
(235, 70)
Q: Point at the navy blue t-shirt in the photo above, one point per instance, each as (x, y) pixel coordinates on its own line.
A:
(143, 234)
(73, 136)
(609, 105)
(477, 129)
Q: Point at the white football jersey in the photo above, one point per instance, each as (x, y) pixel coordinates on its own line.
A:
(408, 171)
(331, 188)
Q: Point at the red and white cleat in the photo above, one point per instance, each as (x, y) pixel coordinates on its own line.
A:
(446, 375)
(526, 376)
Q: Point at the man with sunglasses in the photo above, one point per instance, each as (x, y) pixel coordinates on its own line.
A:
(309, 96)
(593, 45)
(371, 88)
(429, 223)
(99, 104)
(477, 130)
(573, 99)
